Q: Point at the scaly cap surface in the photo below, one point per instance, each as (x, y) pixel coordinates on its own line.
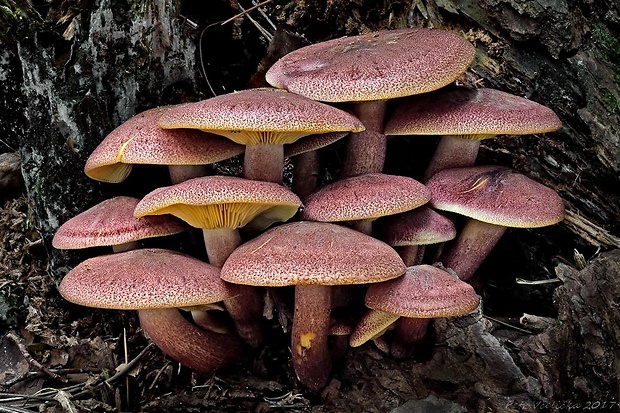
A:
(470, 113)
(374, 66)
(496, 195)
(312, 253)
(111, 222)
(222, 202)
(143, 279)
(140, 141)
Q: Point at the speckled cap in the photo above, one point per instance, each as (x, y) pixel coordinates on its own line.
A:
(420, 226)
(312, 253)
(374, 66)
(367, 196)
(111, 222)
(474, 113)
(423, 292)
(140, 141)
(260, 116)
(222, 202)
(496, 195)
(144, 279)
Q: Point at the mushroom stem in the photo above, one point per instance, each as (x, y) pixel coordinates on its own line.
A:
(452, 152)
(220, 243)
(311, 319)
(371, 326)
(362, 225)
(365, 151)
(198, 349)
(409, 332)
(246, 306)
(306, 173)
(207, 321)
(411, 254)
(476, 240)
(264, 162)
(127, 246)
(181, 173)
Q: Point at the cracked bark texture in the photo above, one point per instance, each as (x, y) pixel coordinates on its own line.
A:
(73, 74)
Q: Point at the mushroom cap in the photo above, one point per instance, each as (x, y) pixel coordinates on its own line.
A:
(144, 279)
(374, 66)
(420, 226)
(140, 141)
(312, 143)
(473, 113)
(367, 196)
(496, 195)
(260, 116)
(423, 291)
(111, 222)
(222, 202)
(312, 253)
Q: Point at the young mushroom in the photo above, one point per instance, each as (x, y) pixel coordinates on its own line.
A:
(410, 232)
(464, 117)
(423, 293)
(368, 70)
(494, 198)
(112, 223)
(139, 140)
(262, 119)
(312, 256)
(219, 206)
(157, 282)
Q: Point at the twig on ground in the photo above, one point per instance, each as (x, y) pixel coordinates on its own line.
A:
(508, 325)
(21, 345)
(128, 367)
(13, 409)
(244, 12)
(159, 373)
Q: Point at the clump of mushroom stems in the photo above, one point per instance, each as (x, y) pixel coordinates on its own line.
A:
(210, 349)
(245, 307)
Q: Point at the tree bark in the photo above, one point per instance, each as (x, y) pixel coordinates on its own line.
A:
(68, 90)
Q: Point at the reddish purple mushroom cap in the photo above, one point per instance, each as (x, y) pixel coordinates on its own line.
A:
(423, 292)
(312, 253)
(260, 116)
(139, 140)
(470, 113)
(222, 202)
(112, 222)
(374, 66)
(144, 279)
(365, 197)
(420, 226)
(496, 195)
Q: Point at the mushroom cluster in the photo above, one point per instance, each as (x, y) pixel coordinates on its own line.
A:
(407, 245)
